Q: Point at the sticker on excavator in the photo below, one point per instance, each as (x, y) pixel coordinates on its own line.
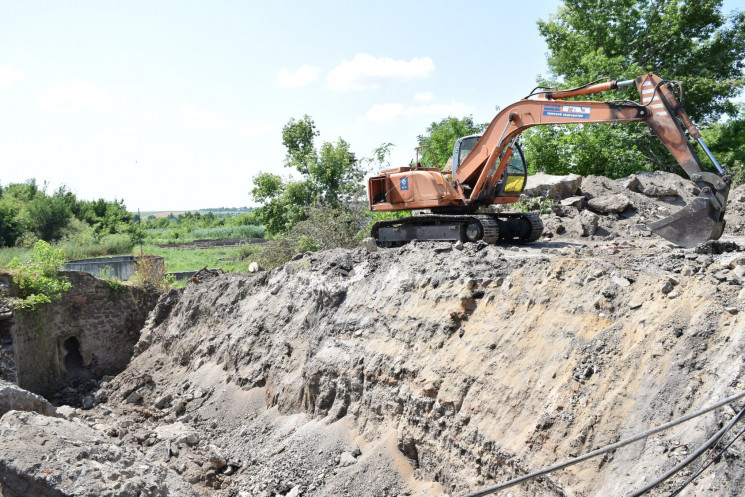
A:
(574, 111)
(404, 183)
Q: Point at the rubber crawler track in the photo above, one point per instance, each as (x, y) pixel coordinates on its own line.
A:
(489, 222)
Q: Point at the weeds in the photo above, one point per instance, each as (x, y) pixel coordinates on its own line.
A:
(116, 286)
(325, 228)
(151, 274)
(532, 204)
(38, 281)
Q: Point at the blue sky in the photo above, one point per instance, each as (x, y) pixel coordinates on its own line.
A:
(177, 105)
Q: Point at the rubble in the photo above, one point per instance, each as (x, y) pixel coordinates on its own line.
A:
(49, 457)
(13, 398)
(430, 369)
(551, 186)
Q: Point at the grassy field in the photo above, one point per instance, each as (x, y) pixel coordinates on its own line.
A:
(229, 259)
(225, 258)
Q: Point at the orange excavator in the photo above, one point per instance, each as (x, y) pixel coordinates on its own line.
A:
(490, 169)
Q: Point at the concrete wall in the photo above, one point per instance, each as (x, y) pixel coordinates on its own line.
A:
(119, 267)
(104, 322)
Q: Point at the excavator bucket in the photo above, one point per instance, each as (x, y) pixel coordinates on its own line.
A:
(703, 218)
(695, 223)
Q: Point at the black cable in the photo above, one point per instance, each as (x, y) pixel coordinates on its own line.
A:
(708, 444)
(731, 424)
(603, 450)
(711, 461)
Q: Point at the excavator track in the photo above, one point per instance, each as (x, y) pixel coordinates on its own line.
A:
(508, 228)
(489, 228)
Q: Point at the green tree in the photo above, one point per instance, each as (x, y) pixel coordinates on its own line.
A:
(104, 216)
(689, 41)
(330, 176)
(11, 227)
(49, 216)
(441, 135)
(727, 142)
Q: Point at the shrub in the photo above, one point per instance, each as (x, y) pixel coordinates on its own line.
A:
(325, 228)
(38, 280)
(244, 231)
(151, 274)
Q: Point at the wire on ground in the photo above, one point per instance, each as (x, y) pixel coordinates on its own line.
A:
(688, 460)
(607, 448)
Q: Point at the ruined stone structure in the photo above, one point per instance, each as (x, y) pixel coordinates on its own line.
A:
(90, 332)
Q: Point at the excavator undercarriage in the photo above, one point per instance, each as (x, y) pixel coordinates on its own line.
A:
(490, 169)
(489, 227)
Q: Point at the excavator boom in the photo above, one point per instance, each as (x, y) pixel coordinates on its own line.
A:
(480, 178)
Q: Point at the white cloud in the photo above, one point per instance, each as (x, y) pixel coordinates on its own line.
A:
(389, 112)
(365, 72)
(427, 96)
(256, 128)
(192, 111)
(10, 75)
(77, 95)
(302, 76)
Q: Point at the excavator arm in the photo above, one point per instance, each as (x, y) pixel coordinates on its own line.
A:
(478, 179)
(699, 221)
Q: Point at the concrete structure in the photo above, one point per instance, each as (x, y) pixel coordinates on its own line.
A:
(118, 267)
(90, 332)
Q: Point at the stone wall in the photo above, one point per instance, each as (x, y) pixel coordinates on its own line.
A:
(90, 332)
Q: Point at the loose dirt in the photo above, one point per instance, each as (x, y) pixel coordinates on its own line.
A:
(429, 369)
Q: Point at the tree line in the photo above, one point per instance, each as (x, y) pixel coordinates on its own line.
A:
(29, 213)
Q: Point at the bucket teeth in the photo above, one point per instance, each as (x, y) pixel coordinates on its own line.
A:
(692, 225)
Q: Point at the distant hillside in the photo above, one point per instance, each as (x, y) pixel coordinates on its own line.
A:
(219, 211)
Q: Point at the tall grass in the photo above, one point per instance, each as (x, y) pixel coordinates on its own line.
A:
(248, 231)
(85, 245)
(7, 254)
(231, 259)
(178, 234)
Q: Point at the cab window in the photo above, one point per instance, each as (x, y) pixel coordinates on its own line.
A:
(516, 173)
(465, 148)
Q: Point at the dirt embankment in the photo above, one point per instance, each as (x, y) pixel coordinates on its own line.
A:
(432, 369)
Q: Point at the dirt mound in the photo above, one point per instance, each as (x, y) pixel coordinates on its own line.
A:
(428, 370)
(437, 369)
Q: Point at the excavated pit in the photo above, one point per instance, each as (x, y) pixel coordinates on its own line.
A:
(428, 370)
(446, 370)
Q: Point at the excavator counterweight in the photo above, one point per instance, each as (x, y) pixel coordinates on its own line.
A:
(492, 171)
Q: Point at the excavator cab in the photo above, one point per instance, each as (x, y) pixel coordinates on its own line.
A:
(516, 174)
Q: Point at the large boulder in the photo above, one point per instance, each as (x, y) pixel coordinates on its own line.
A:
(553, 187)
(588, 222)
(609, 204)
(53, 457)
(661, 184)
(15, 398)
